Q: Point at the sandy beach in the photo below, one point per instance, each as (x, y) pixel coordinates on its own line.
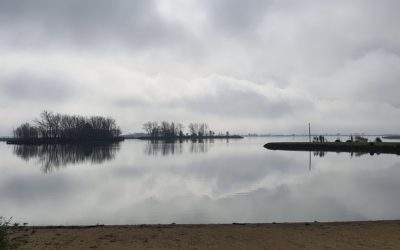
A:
(315, 235)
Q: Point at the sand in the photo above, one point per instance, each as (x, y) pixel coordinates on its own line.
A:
(346, 235)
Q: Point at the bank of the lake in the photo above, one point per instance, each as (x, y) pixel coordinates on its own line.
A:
(367, 147)
(313, 235)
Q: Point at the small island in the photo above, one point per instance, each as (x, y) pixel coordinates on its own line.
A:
(53, 128)
(357, 145)
(170, 131)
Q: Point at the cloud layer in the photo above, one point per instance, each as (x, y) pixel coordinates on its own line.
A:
(253, 66)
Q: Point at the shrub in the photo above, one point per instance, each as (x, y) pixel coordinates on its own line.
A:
(377, 139)
(4, 239)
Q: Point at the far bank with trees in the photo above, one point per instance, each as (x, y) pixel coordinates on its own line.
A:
(63, 128)
(176, 131)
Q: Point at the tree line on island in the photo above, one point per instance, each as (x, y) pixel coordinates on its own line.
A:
(56, 127)
(171, 130)
(52, 126)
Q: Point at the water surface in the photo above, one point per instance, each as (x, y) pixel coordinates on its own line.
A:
(135, 182)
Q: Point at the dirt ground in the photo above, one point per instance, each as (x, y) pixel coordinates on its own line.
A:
(347, 235)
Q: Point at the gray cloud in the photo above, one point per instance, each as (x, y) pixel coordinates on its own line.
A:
(30, 87)
(130, 103)
(236, 16)
(312, 59)
(84, 24)
(228, 102)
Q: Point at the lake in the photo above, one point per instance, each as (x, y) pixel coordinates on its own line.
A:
(220, 181)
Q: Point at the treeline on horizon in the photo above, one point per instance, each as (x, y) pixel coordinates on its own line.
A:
(63, 126)
(177, 130)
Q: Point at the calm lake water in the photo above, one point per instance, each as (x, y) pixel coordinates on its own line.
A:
(137, 182)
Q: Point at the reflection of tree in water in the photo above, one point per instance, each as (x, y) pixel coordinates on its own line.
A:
(164, 148)
(359, 154)
(52, 156)
(176, 147)
(320, 153)
(199, 147)
(356, 154)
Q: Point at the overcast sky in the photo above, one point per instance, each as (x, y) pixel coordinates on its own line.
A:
(265, 66)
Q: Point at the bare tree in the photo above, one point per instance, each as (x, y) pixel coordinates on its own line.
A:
(52, 125)
(172, 129)
(148, 127)
(25, 131)
(179, 129)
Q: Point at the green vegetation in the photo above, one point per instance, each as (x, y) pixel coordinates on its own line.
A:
(5, 242)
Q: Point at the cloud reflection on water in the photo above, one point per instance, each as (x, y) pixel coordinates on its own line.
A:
(234, 182)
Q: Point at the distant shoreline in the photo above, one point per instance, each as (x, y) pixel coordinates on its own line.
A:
(188, 137)
(42, 141)
(366, 147)
(391, 137)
